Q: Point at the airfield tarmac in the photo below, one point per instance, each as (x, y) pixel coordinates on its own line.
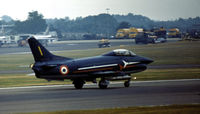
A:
(65, 97)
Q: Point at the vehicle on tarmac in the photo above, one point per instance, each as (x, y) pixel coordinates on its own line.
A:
(193, 33)
(7, 40)
(145, 38)
(174, 33)
(160, 40)
(104, 43)
(129, 33)
(160, 32)
(118, 64)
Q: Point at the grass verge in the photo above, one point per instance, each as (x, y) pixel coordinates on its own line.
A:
(172, 109)
(168, 74)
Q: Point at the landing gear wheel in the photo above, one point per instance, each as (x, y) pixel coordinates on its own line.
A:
(103, 84)
(78, 84)
(127, 83)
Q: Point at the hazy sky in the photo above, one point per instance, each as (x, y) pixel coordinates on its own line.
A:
(154, 9)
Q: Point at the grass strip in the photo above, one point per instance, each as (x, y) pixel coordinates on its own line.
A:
(171, 109)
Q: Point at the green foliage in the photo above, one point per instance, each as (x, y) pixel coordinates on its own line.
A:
(183, 24)
(140, 21)
(34, 24)
(103, 24)
(123, 25)
(99, 24)
(137, 21)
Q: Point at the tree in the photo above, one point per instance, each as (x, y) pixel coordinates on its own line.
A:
(34, 24)
(6, 18)
(124, 25)
(99, 24)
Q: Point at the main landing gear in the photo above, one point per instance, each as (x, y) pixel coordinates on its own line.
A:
(78, 83)
(103, 84)
(127, 83)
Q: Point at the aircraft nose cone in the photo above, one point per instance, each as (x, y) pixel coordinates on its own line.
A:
(147, 60)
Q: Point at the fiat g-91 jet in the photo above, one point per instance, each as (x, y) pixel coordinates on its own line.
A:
(118, 64)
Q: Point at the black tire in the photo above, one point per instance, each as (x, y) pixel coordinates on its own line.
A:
(78, 84)
(102, 84)
(126, 83)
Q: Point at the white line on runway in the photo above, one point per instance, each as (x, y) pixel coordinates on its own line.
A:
(71, 85)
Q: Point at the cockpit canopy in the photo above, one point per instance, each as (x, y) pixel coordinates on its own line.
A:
(120, 52)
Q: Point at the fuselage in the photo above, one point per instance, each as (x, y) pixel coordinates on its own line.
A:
(98, 66)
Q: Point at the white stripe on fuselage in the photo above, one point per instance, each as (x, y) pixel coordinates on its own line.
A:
(100, 66)
(109, 65)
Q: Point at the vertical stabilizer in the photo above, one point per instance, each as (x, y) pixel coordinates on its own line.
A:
(40, 53)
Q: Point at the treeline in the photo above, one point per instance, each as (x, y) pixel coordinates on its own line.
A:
(183, 24)
(34, 24)
(140, 21)
(100, 24)
(103, 24)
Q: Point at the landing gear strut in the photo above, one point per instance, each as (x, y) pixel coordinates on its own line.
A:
(103, 84)
(78, 84)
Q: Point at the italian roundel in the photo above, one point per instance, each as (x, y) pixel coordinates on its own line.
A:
(64, 70)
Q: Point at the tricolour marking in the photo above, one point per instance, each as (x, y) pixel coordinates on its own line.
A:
(93, 67)
(40, 51)
(64, 70)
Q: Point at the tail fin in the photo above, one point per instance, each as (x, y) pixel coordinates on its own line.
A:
(40, 53)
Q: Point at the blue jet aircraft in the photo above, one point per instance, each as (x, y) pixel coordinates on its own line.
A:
(118, 64)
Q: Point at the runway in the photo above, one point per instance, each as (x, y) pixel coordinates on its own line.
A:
(65, 97)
